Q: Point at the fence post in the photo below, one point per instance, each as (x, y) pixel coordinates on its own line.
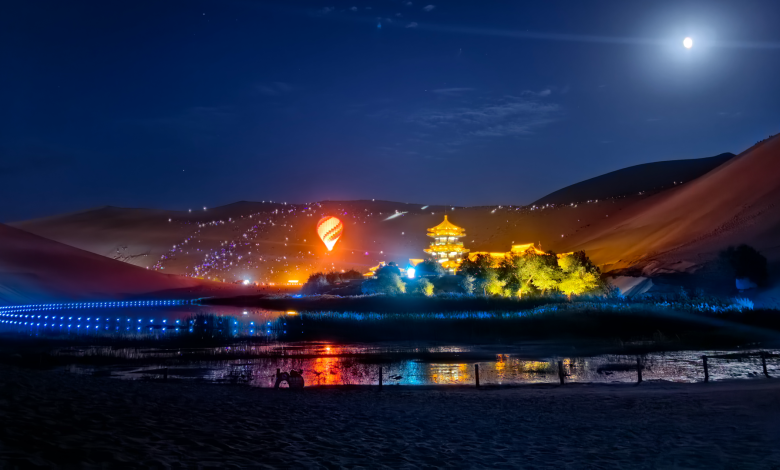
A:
(561, 375)
(380, 377)
(476, 373)
(706, 369)
(763, 364)
(638, 370)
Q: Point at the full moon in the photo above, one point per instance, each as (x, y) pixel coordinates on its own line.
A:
(688, 43)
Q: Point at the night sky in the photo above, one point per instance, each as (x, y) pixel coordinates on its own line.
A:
(178, 105)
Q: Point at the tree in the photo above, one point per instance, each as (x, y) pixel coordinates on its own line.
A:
(489, 283)
(425, 287)
(315, 283)
(746, 262)
(390, 267)
(529, 271)
(477, 267)
(509, 271)
(387, 282)
(429, 267)
(351, 275)
(333, 277)
(545, 272)
(467, 284)
(580, 275)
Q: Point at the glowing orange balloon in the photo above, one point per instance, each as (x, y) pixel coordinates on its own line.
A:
(330, 229)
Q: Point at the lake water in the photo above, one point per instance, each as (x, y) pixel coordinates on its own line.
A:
(261, 348)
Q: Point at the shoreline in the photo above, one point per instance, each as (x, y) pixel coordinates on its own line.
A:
(53, 418)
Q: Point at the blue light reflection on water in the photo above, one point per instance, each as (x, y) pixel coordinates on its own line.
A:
(128, 318)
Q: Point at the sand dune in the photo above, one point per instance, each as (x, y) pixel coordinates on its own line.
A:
(680, 229)
(671, 230)
(277, 243)
(34, 269)
(646, 177)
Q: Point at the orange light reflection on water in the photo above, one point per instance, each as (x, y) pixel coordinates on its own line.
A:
(326, 371)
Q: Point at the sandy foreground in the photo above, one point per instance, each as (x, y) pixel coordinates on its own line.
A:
(56, 419)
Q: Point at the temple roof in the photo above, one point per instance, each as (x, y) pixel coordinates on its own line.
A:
(448, 228)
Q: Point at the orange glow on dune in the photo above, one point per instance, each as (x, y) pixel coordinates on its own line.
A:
(329, 229)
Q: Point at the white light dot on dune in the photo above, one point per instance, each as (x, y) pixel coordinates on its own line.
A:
(688, 43)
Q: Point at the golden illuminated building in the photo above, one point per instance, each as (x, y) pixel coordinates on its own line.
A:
(517, 250)
(446, 247)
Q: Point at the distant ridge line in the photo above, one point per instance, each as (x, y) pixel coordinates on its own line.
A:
(635, 179)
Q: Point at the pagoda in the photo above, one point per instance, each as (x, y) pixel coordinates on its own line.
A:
(446, 247)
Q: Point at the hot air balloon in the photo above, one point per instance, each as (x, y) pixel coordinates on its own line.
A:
(330, 229)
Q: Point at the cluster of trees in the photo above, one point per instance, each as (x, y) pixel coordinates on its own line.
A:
(319, 281)
(389, 281)
(531, 273)
(519, 275)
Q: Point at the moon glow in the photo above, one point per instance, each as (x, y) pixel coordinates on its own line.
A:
(688, 43)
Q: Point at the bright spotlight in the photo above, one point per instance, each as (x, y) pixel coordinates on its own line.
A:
(688, 43)
(410, 273)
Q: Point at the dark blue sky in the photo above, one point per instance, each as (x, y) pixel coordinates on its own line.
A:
(178, 105)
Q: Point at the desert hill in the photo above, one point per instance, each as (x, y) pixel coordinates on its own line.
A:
(680, 229)
(34, 269)
(277, 242)
(649, 177)
(671, 230)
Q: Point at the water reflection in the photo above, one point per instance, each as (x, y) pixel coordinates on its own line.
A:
(266, 349)
(356, 368)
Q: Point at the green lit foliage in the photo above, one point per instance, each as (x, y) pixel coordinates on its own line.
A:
(530, 272)
(580, 275)
(467, 284)
(424, 286)
(477, 268)
(533, 273)
(490, 283)
(487, 278)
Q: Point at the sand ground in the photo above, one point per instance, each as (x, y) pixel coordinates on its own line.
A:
(56, 419)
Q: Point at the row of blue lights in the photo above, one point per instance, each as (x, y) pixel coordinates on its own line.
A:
(30, 321)
(82, 305)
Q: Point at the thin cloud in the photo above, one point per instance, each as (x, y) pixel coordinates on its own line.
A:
(412, 25)
(540, 94)
(326, 10)
(274, 89)
(353, 9)
(508, 116)
(429, 7)
(452, 91)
